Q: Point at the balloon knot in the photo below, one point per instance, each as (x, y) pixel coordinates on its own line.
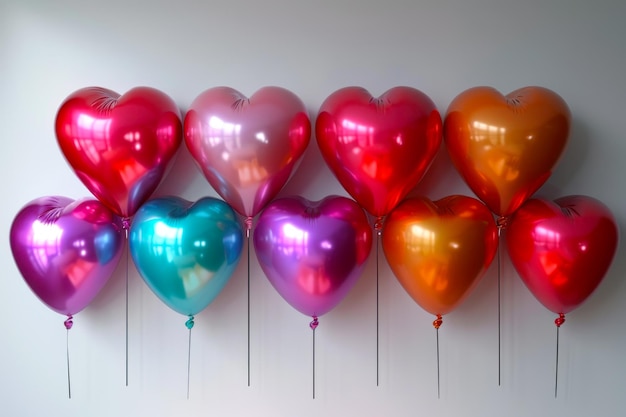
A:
(69, 322)
(125, 223)
(438, 322)
(189, 323)
(314, 323)
(378, 225)
(560, 320)
(502, 222)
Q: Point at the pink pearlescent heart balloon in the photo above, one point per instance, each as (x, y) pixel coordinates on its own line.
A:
(247, 148)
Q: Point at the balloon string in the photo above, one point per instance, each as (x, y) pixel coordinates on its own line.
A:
(378, 228)
(189, 324)
(68, 325)
(313, 325)
(436, 324)
(248, 308)
(126, 227)
(501, 223)
(558, 321)
(248, 222)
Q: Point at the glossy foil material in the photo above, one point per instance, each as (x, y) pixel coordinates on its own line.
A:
(120, 147)
(439, 250)
(505, 147)
(247, 148)
(66, 250)
(378, 148)
(186, 252)
(562, 249)
(313, 252)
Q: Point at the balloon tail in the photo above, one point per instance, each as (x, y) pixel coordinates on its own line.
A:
(189, 324)
(436, 324)
(313, 325)
(248, 222)
(126, 227)
(502, 222)
(68, 325)
(558, 321)
(378, 228)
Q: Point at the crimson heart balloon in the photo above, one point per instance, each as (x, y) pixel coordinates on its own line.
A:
(378, 148)
(120, 147)
(562, 249)
(505, 147)
(313, 252)
(247, 148)
(66, 250)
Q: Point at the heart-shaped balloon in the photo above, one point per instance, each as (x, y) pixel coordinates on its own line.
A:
(562, 249)
(439, 250)
(505, 147)
(313, 252)
(186, 252)
(378, 148)
(247, 148)
(66, 250)
(120, 147)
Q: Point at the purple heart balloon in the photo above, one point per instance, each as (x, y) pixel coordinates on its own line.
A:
(66, 250)
(313, 252)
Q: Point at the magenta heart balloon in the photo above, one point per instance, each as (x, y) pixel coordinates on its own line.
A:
(66, 250)
(313, 252)
(247, 148)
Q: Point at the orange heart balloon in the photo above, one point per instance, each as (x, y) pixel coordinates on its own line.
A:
(505, 147)
(439, 250)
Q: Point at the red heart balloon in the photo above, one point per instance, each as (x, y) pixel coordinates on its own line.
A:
(378, 148)
(119, 146)
(505, 147)
(247, 148)
(562, 249)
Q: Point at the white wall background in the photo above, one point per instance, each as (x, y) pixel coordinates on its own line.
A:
(48, 49)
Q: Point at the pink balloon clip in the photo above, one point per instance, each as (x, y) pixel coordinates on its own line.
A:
(313, 325)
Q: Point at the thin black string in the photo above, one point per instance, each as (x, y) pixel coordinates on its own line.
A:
(499, 307)
(67, 353)
(377, 314)
(556, 372)
(189, 324)
(127, 261)
(313, 363)
(248, 239)
(188, 362)
(438, 378)
(313, 325)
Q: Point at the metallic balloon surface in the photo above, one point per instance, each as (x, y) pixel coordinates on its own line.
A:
(247, 148)
(505, 147)
(66, 250)
(440, 250)
(562, 249)
(313, 252)
(378, 148)
(186, 252)
(119, 146)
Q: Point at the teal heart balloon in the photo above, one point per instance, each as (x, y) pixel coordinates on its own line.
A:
(186, 252)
